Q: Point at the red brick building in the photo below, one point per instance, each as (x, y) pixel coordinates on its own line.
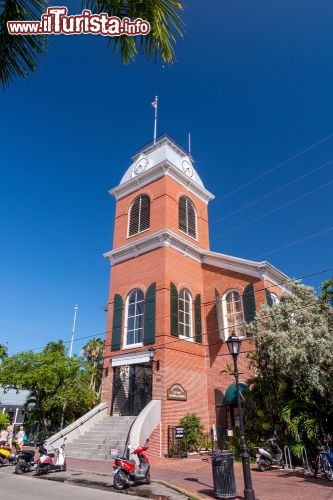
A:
(173, 302)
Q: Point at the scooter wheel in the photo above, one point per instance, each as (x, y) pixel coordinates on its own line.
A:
(119, 481)
(41, 470)
(20, 469)
(262, 465)
(148, 480)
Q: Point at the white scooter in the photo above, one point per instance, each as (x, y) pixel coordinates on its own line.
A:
(268, 459)
(54, 461)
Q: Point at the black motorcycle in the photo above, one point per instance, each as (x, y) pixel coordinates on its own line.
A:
(26, 459)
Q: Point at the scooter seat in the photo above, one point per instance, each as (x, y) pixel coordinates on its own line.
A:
(51, 455)
(133, 462)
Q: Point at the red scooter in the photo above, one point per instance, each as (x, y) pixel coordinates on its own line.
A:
(54, 461)
(127, 472)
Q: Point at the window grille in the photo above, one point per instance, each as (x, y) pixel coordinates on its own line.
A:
(135, 316)
(139, 216)
(185, 313)
(187, 217)
(233, 314)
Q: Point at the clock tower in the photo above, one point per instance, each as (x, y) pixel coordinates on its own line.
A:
(156, 285)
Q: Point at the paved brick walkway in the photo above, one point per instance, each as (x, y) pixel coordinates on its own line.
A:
(194, 476)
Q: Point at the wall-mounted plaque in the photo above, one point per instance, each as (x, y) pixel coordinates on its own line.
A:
(177, 392)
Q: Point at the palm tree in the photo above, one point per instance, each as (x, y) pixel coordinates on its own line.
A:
(19, 54)
(3, 352)
(93, 352)
(327, 291)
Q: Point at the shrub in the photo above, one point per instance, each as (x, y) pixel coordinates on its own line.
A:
(195, 436)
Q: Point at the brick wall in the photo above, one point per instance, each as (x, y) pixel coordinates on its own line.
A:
(164, 195)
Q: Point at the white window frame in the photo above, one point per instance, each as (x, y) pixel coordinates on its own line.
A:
(130, 213)
(195, 215)
(226, 326)
(275, 299)
(137, 344)
(190, 314)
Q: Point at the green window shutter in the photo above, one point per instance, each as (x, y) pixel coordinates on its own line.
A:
(249, 303)
(197, 318)
(150, 315)
(117, 321)
(173, 310)
(269, 299)
(219, 315)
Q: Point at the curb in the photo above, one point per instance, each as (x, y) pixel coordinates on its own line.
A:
(186, 493)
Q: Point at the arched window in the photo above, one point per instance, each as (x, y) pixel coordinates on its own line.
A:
(185, 314)
(233, 314)
(139, 215)
(187, 217)
(134, 317)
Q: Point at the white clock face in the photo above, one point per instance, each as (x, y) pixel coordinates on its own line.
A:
(141, 165)
(187, 168)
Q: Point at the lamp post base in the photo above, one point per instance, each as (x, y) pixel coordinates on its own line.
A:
(249, 495)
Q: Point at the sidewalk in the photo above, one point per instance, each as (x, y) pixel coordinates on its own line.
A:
(193, 478)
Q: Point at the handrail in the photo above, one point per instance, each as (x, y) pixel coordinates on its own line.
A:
(78, 423)
(126, 452)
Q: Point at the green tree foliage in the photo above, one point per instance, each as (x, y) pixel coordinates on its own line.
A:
(3, 352)
(53, 380)
(293, 365)
(196, 439)
(19, 54)
(4, 420)
(93, 352)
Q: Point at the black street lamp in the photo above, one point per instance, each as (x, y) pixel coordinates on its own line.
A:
(233, 344)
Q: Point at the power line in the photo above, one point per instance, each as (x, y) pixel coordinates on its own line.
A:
(270, 212)
(313, 235)
(277, 190)
(276, 167)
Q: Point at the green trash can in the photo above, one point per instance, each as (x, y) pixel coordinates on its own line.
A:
(224, 475)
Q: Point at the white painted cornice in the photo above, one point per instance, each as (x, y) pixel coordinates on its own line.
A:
(165, 168)
(162, 238)
(263, 270)
(166, 238)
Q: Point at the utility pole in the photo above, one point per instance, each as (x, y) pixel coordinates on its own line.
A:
(73, 330)
(70, 355)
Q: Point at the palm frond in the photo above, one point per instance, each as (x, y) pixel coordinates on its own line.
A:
(165, 22)
(19, 54)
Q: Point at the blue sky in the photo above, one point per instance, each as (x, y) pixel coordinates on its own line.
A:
(253, 83)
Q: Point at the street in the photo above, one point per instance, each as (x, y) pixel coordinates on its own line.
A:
(30, 488)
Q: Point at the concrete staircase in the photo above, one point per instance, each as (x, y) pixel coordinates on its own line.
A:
(96, 443)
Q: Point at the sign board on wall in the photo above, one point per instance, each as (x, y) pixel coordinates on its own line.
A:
(177, 392)
(179, 432)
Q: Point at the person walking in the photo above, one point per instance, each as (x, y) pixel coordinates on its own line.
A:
(3, 436)
(10, 431)
(20, 436)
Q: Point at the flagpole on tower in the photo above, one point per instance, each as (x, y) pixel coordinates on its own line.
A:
(154, 104)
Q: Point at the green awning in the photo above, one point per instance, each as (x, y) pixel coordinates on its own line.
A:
(230, 397)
